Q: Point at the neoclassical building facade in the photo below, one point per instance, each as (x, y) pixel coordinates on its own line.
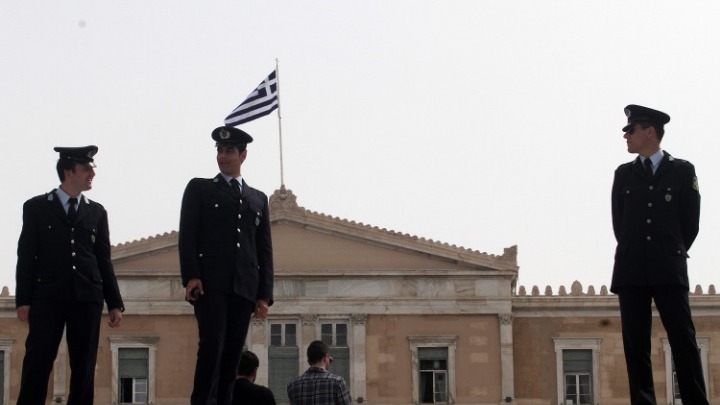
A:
(409, 321)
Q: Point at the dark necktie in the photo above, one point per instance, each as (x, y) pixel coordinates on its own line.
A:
(72, 210)
(235, 188)
(648, 168)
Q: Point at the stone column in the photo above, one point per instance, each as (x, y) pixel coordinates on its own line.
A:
(257, 342)
(307, 334)
(358, 373)
(506, 358)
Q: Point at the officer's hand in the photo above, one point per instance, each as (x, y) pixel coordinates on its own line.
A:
(22, 312)
(115, 318)
(191, 285)
(261, 309)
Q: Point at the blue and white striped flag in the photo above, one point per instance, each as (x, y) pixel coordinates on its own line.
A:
(261, 102)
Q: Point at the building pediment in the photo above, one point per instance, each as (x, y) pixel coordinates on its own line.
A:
(311, 243)
(325, 242)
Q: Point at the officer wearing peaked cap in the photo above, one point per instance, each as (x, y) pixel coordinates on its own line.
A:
(656, 216)
(231, 136)
(638, 113)
(64, 274)
(225, 263)
(83, 154)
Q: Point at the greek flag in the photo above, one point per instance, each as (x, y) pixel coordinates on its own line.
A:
(261, 102)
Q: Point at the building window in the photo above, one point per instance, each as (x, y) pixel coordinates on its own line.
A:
(283, 334)
(672, 389)
(433, 369)
(335, 335)
(133, 374)
(133, 361)
(676, 399)
(5, 360)
(433, 375)
(283, 358)
(2, 375)
(577, 369)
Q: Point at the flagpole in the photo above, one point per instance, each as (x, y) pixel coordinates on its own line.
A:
(277, 78)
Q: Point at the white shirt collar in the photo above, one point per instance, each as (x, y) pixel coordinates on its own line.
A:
(228, 178)
(65, 197)
(655, 158)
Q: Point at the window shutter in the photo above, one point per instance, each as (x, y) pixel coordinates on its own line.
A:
(577, 360)
(341, 362)
(282, 367)
(133, 362)
(432, 353)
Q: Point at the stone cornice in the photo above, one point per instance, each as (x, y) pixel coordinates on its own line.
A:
(144, 246)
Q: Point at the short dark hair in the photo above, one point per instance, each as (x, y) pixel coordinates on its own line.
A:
(65, 164)
(248, 363)
(316, 351)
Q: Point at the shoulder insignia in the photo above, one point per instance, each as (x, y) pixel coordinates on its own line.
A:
(695, 184)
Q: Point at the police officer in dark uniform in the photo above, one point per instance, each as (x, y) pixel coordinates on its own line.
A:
(63, 275)
(226, 265)
(656, 215)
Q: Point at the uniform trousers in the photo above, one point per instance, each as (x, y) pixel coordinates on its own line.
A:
(47, 320)
(223, 321)
(673, 305)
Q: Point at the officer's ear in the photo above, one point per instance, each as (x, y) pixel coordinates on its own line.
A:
(652, 133)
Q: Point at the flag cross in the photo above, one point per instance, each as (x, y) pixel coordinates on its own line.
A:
(261, 102)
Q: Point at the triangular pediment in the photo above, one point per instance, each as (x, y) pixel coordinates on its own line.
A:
(305, 242)
(306, 249)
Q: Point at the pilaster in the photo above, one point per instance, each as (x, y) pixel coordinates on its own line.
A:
(506, 358)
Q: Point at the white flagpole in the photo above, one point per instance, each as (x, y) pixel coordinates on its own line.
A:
(277, 78)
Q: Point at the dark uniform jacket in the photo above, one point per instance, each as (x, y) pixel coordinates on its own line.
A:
(226, 243)
(655, 222)
(59, 260)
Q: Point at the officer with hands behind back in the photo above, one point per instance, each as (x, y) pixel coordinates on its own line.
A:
(656, 216)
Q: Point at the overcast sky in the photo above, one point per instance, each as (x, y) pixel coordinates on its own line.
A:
(483, 124)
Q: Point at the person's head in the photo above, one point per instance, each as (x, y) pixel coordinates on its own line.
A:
(249, 364)
(75, 168)
(644, 130)
(231, 144)
(318, 354)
